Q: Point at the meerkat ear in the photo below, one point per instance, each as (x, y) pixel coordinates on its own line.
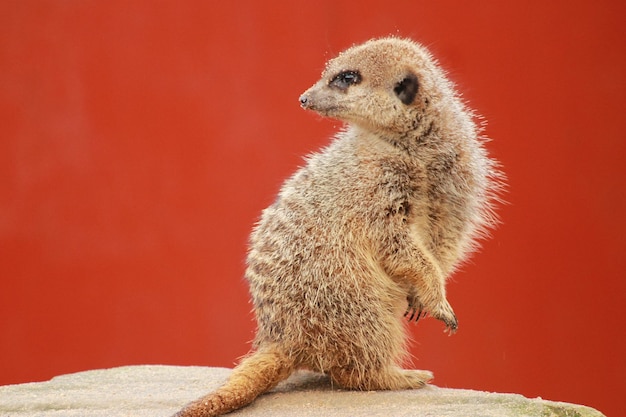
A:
(406, 90)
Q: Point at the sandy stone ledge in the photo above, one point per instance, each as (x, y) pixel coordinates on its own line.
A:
(159, 391)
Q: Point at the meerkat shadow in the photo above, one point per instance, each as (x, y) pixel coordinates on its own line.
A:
(303, 380)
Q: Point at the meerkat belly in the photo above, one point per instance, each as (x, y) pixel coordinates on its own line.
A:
(315, 280)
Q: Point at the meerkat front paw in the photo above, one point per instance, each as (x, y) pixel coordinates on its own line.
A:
(444, 312)
(415, 309)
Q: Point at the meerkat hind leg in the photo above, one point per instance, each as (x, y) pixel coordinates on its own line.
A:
(389, 378)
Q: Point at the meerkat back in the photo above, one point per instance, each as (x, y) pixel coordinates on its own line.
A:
(367, 231)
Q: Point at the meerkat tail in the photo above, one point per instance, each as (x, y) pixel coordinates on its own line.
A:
(256, 373)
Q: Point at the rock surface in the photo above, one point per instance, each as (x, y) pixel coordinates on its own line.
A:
(159, 391)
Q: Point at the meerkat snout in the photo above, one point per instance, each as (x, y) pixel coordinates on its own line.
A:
(322, 97)
(315, 99)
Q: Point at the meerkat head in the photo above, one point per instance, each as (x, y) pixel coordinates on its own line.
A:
(387, 85)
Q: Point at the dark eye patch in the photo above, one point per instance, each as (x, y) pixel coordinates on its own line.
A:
(406, 90)
(345, 79)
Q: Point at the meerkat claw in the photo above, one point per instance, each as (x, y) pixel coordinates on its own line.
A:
(419, 314)
(452, 325)
(416, 314)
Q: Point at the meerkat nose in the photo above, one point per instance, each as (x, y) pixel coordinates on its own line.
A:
(304, 100)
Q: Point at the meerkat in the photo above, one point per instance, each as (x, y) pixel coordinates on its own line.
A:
(368, 230)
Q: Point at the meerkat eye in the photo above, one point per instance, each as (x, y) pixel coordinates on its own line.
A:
(345, 79)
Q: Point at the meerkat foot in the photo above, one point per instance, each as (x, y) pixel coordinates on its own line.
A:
(392, 378)
(416, 378)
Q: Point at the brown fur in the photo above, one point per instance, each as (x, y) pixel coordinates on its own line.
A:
(372, 224)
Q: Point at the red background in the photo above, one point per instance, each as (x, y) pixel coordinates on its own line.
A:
(140, 140)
